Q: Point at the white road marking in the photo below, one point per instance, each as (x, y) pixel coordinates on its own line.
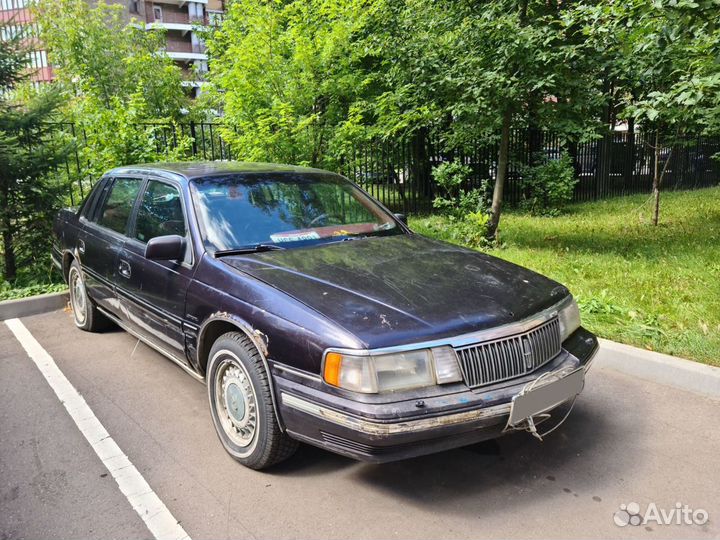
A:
(142, 498)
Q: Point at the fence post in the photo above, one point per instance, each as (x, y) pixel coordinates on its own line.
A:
(629, 169)
(194, 138)
(421, 167)
(602, 173)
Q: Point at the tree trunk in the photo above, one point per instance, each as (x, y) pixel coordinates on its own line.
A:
(10, 270)
(10, 265)
(500, 177)
(656, 180)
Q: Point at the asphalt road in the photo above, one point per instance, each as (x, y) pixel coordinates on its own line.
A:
(626, 441)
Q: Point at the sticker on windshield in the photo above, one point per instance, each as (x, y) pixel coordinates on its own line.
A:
(294, 236)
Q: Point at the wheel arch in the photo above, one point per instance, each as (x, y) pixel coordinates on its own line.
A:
(67, 260)
(222, 323)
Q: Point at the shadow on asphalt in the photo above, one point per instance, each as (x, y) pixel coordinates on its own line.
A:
(517, 462)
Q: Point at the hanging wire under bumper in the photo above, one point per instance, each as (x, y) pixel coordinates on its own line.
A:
(532, 404)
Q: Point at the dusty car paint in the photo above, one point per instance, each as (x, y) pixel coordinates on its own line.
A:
(397, 290)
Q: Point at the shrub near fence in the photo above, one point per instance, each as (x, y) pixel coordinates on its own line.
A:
(399, 172)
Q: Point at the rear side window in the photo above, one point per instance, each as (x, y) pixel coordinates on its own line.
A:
(88, 206)
(119, 204)
(160, 212)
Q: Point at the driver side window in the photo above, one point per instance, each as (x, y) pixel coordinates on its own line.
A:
(160, 213)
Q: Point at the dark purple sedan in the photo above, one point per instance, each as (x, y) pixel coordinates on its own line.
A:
(315, 315)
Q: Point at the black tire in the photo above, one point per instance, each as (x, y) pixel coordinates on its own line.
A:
(241, 404)
(85, 313)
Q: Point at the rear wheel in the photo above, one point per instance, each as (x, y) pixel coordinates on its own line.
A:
(241, 404)
(85, 313)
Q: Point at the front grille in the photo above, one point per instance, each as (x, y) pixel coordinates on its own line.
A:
(513, 356)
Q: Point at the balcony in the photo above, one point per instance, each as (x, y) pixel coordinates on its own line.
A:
(185, 50)
(181, 3)
(183, 27)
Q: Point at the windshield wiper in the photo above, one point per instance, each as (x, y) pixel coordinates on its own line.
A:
(252, 248)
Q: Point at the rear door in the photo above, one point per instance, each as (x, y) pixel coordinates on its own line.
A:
(152, 293)
(102, 237)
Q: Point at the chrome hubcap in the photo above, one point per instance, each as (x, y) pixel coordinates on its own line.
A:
(79, 299)
(236, 403)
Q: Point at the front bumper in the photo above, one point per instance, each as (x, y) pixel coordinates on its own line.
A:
(388, 427)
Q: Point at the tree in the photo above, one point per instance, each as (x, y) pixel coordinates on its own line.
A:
(662, 61)
(116, 80)
(283, 74)
(28, 195)
(306, 80)
(470, 70)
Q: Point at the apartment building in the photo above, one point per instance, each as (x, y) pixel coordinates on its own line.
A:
(16, 18)
(180, 20)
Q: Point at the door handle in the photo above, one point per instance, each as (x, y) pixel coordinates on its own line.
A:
(124, 269)
(81, 247)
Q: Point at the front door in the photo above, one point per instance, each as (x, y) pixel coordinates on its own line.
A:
(152, 293)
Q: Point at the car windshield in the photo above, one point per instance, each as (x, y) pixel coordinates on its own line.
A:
(284, 210)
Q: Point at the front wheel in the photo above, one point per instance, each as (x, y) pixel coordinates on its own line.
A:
(241, 404)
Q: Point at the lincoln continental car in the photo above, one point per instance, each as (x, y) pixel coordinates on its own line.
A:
(315, 315)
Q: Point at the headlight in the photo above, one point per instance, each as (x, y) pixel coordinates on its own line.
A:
(569, 318)
(389, 372)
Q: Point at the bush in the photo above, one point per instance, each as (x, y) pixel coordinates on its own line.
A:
(466, 209)
(547, 188)
(471, 230)
(453, 199)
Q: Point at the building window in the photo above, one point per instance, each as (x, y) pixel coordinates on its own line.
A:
(215, 18)
(11, 31)
(196, 12)
(37, 59)
(133, 6)
(12, 4)
(157, 13)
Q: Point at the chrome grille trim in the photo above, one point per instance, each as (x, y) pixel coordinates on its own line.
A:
(509, 357)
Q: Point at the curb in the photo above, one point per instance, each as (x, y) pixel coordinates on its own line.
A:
(660, 368)
(23, 307)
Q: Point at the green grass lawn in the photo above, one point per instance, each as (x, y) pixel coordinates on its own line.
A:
(653, 287)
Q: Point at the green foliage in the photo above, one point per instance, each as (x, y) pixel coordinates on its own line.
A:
(10, 291)
(284, 77)
(449, 177)
(548, 187)
(122, 135)
(29, 192)
(117, 85)
(471, 230)
(671, 64)
(660, 65)
(466, 209)
(453, 198)
(96, 54)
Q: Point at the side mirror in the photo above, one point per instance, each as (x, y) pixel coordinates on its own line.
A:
(165, 248)
(402, 218)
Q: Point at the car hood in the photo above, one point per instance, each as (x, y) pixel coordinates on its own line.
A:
(401, 289)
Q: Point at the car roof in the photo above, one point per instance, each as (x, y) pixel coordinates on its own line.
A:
(201, 169)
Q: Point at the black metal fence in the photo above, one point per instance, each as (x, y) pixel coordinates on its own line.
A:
(618, 164)
(399, 173)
